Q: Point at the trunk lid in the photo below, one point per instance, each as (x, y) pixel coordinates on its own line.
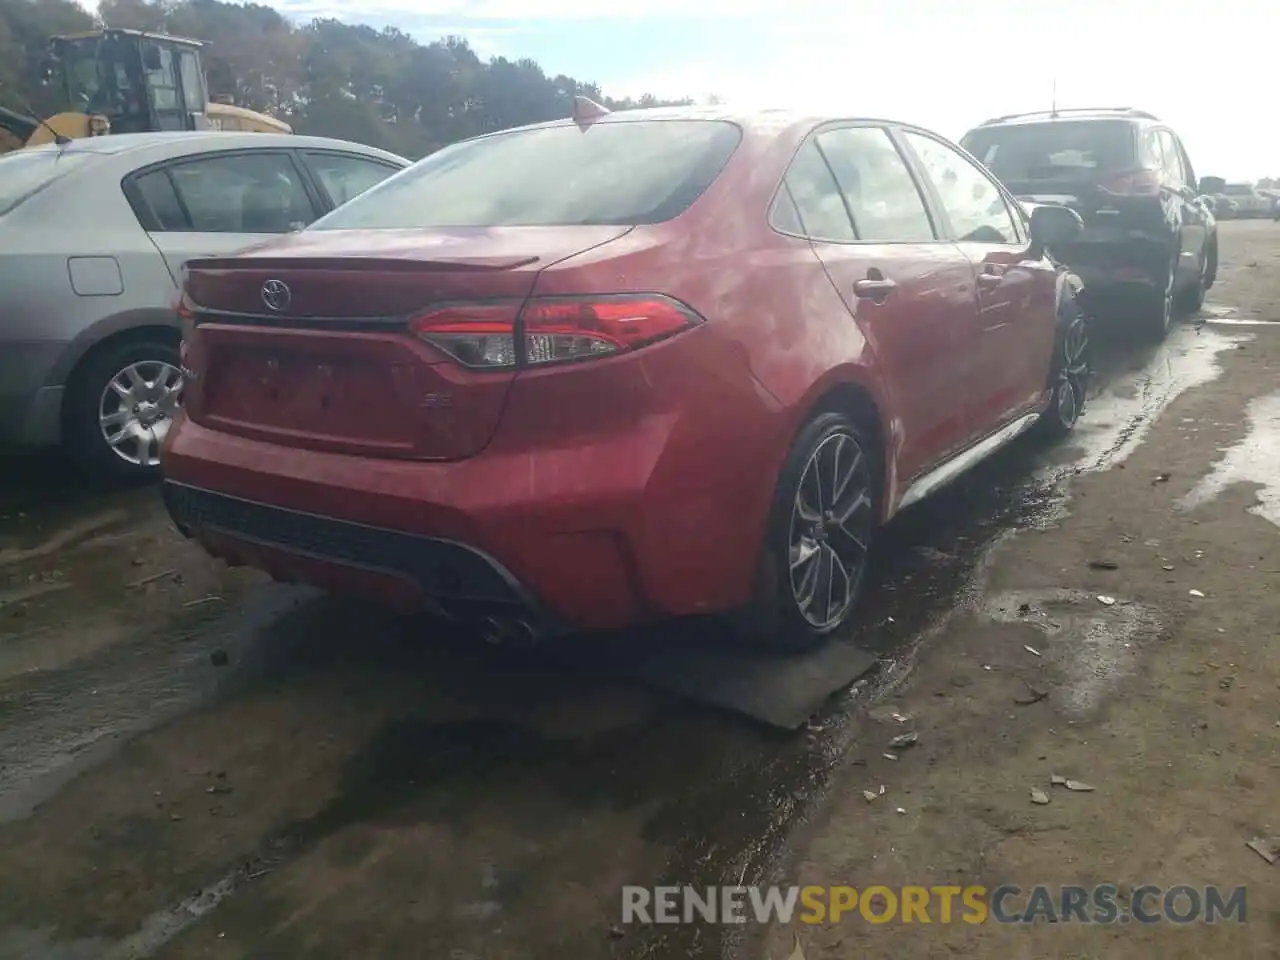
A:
(304, 341)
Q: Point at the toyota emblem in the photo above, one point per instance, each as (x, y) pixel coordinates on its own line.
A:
(276, 295)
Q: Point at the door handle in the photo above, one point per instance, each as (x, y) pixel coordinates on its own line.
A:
(992, 275)
(875, 290)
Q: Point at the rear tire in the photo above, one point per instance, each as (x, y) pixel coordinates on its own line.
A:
(120, 405)
(818, 538)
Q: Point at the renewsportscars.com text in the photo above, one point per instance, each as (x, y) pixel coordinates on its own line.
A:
(1008, 903)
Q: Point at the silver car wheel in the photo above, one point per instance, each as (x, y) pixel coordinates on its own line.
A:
(831, 523)
(137, 408)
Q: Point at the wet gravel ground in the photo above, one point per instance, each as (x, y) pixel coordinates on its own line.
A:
(353, 784)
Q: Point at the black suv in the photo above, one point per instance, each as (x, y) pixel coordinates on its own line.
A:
(1148, 230)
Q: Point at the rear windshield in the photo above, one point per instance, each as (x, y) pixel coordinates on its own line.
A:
(24, 172)
(1238, 190)
(1060, 150)
(617, 172)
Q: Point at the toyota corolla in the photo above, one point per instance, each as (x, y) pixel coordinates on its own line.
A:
(622, 367)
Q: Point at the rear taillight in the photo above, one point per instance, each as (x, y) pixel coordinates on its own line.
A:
(1132, 183)
(501, 334)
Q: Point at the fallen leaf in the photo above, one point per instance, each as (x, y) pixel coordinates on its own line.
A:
(1268, 850)
(1030, 649)
(904, 740)
(1195, 593)
(870, 795)
(1106, 601)
(1057, 780)
(1103, 565)
(1039, 796)
(1077, 785)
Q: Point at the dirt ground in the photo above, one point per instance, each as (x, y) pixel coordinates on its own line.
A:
(1167, 703)
(197, 764)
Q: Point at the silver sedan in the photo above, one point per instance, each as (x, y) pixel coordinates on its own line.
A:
(93, 237)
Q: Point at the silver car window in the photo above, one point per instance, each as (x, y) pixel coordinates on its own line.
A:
(256, 192)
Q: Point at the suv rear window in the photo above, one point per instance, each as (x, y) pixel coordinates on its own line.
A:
(615, 172)
(1058, 150)
(24, 172)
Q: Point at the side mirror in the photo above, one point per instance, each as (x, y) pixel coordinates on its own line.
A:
(1053, 225)
(151, 58)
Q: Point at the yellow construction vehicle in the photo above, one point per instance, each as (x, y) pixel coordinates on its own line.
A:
(126, 81)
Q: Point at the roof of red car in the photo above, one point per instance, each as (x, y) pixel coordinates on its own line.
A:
(759, 120)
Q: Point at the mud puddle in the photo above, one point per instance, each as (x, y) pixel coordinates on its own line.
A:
(1091, 644)
(1254, 460)
(1218, 315)
(1124, 407)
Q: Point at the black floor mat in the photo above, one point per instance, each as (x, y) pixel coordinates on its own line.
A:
(701, 663)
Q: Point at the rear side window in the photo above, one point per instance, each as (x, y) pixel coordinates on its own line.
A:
(886, 205)
(156, 193)
(613, 172)
(25, 172)
(1172, 158)
(1057, 150)
(818, 206)
(255, 192)
(345, 177)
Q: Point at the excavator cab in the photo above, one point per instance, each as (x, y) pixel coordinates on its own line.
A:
(134, 81)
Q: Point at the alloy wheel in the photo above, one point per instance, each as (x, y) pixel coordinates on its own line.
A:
(137, 408)
(831, 523)
(1166, 318)
(1073, 378)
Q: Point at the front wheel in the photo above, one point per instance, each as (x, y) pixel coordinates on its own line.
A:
(1156, 308)
(1069, 377)
(818, 539)
(1192, 298)
(120, 406)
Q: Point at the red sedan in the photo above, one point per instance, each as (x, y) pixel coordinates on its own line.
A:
(622, 367)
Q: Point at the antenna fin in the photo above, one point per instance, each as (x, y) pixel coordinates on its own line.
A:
(586, 110)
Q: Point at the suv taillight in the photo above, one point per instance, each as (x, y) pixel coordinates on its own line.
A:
(1132, 183)
(495, 335)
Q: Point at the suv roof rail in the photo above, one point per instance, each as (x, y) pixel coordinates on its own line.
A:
(1060, 111)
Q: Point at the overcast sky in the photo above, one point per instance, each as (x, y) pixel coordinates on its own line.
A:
(945, 64)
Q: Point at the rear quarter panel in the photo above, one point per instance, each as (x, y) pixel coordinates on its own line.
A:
(83, 216)
(727, 397)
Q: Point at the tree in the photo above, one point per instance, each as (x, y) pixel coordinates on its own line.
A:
(325, 77)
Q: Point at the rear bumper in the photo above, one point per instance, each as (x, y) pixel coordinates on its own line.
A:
(401, 567)
(1134, 261)
(649, 523)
